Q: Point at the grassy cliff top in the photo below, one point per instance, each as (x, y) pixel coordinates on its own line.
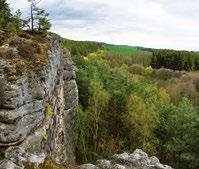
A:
(22, 52)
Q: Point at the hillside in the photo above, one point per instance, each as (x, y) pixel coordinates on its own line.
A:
(128, 104)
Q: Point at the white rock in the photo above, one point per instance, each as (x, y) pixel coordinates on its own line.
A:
(104, 164)
(123, 156)
(154, 160)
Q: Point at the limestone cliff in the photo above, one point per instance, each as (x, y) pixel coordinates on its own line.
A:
(38, 97)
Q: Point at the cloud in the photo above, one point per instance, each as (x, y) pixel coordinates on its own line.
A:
(150, 23)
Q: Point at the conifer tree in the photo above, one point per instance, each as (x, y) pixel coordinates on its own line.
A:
(38, 17)
(5, 14)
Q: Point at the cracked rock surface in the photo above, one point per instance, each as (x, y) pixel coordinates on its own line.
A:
(31, 85)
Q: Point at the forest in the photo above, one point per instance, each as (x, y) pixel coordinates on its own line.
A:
(126, 102)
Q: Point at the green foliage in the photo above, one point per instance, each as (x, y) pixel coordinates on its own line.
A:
(126, 54)
(141, 120)
(123, 107)
(16, 23)
(81, 48)
(44, 24)
(126, 50)
(176, 60)
(5, 14)
(137, 69)
(8, 21)
(49, 111)
(148, 71)
(89, 123)
(182, 144)
(38, 19)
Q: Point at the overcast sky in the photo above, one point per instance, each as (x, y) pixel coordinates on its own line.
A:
(149, 23)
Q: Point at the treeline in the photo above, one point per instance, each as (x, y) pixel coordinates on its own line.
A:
(176, 60)
(81, 48)
(38, 20)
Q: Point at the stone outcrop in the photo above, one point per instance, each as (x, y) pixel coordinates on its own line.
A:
(37, 102)
(137, 160)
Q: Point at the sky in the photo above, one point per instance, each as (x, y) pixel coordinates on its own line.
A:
(170, 24)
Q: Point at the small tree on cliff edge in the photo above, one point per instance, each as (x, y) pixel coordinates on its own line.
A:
(8, 21)
(5, 14)
(38, 17)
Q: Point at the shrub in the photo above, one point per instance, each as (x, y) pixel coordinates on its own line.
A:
(163, 73)
(26, 51)
(196, 83)
(3, 37)
(137, 69)
(148, 71)
(166, 74)
(49, 111)
(8, 53)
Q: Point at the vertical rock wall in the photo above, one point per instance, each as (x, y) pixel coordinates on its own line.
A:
(37, 109)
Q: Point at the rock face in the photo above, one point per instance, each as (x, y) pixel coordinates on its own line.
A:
(137, 160)
(37, 107)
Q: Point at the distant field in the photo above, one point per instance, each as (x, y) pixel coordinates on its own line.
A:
(129, 55)
(126, 50)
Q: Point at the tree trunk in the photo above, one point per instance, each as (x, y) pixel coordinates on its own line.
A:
(32, 18)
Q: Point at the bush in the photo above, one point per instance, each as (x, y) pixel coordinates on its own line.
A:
(148, 71)
(137, 69)
(166, 74)
(163, 73)
(196, 83)
(3, 37)
(49, 110)
(8, 53)
(26, 51)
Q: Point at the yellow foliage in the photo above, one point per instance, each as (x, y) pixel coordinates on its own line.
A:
(148, 70)
(142, 120)
(164, 95)
(49, 111)
(85, 58)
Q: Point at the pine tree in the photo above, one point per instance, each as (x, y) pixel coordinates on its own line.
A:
(5, 14)
(38, 17)
(16, 23)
